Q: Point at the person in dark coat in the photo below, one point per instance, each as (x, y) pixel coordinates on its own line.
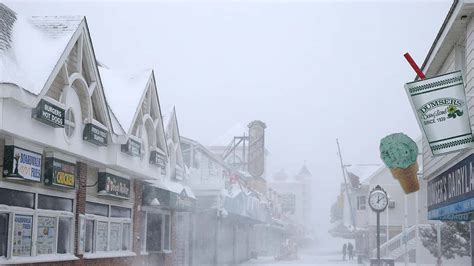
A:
(344, 251)
(350, 251)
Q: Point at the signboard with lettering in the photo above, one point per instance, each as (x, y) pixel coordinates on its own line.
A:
(95, 135)
(159, 160)
(132, 147)
(256, 159)
(49, 114)
(452, 192)
(181, 201)
(440, 106)
(114, 186)
(59, 173)
(21, 164)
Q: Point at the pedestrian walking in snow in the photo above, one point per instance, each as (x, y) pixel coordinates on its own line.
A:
(344, 250)
(350, 251)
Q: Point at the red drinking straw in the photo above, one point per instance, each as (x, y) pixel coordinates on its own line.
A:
(414, 66)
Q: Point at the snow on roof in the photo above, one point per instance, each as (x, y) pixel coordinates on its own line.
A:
(32, 46)
(363, 172)
(116, 127)
(123, 92)
(237, 129)
(167, 113)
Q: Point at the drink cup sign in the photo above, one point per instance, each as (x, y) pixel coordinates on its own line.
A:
(440, 106)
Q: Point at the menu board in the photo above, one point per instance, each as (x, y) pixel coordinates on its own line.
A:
(115, 236)
(46, 235)
(22, 235)
(102, 232)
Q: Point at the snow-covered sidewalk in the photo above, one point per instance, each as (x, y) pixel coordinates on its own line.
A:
(306, 258)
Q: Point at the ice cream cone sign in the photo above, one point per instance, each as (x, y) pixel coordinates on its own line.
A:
(399, 153)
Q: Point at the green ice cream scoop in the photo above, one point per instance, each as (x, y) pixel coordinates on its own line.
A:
(398, 150)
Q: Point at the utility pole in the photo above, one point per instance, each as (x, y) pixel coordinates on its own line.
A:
(347, 186)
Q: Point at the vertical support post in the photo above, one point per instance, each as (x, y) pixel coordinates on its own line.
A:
(405, 231)
(378, 238)
(438, 236)
(386, 225)
(471, 229)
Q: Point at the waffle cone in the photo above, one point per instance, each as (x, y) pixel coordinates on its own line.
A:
(407, 177)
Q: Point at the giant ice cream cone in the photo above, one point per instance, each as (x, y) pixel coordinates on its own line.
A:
(399, 153)
(407, 177)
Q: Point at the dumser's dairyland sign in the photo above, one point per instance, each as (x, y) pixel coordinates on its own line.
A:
(440, 106)
(451, 193)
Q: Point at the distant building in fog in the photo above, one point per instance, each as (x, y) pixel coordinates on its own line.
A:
(296, 195)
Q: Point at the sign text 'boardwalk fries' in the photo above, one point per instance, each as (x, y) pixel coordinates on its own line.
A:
(441, 109)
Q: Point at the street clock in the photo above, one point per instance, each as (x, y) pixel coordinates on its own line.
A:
(378, 199)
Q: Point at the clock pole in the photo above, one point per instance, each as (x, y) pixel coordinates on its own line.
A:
(378, 202)
(378, 238)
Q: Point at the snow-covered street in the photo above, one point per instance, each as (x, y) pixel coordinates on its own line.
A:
(307, 257)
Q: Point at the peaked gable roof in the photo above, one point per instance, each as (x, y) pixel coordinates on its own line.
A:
(172, 133)
(125, 92)
(31, 47)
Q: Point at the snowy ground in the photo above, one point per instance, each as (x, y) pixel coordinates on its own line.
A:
(307, 257)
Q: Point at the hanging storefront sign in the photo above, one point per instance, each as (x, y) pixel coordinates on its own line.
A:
(59, 173)
(452, 192)
(95, 135)
(20, 163)
(49, 114)
(159, 160)
(256, 160)
(132, 147)
(114, 186)
(440, 107)
(168, 199)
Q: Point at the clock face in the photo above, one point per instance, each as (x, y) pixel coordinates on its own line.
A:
(378, 200)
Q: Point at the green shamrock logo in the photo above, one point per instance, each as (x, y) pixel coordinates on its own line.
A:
(453, 112)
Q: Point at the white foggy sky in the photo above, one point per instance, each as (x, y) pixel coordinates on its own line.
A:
(312, 71)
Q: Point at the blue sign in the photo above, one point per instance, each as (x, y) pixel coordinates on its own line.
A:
(452, 192)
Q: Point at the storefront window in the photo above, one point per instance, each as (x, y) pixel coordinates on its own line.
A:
(97, 209)
(49, 224)
(64, 235)
(3, 234)
(154, 229)
(126, 237)
(46, 235)
(102, 233)
(89, 236)
(120, 212)
(17, 198)
(54, 203)
(22, 233)
(157, 230)
(115, 232)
